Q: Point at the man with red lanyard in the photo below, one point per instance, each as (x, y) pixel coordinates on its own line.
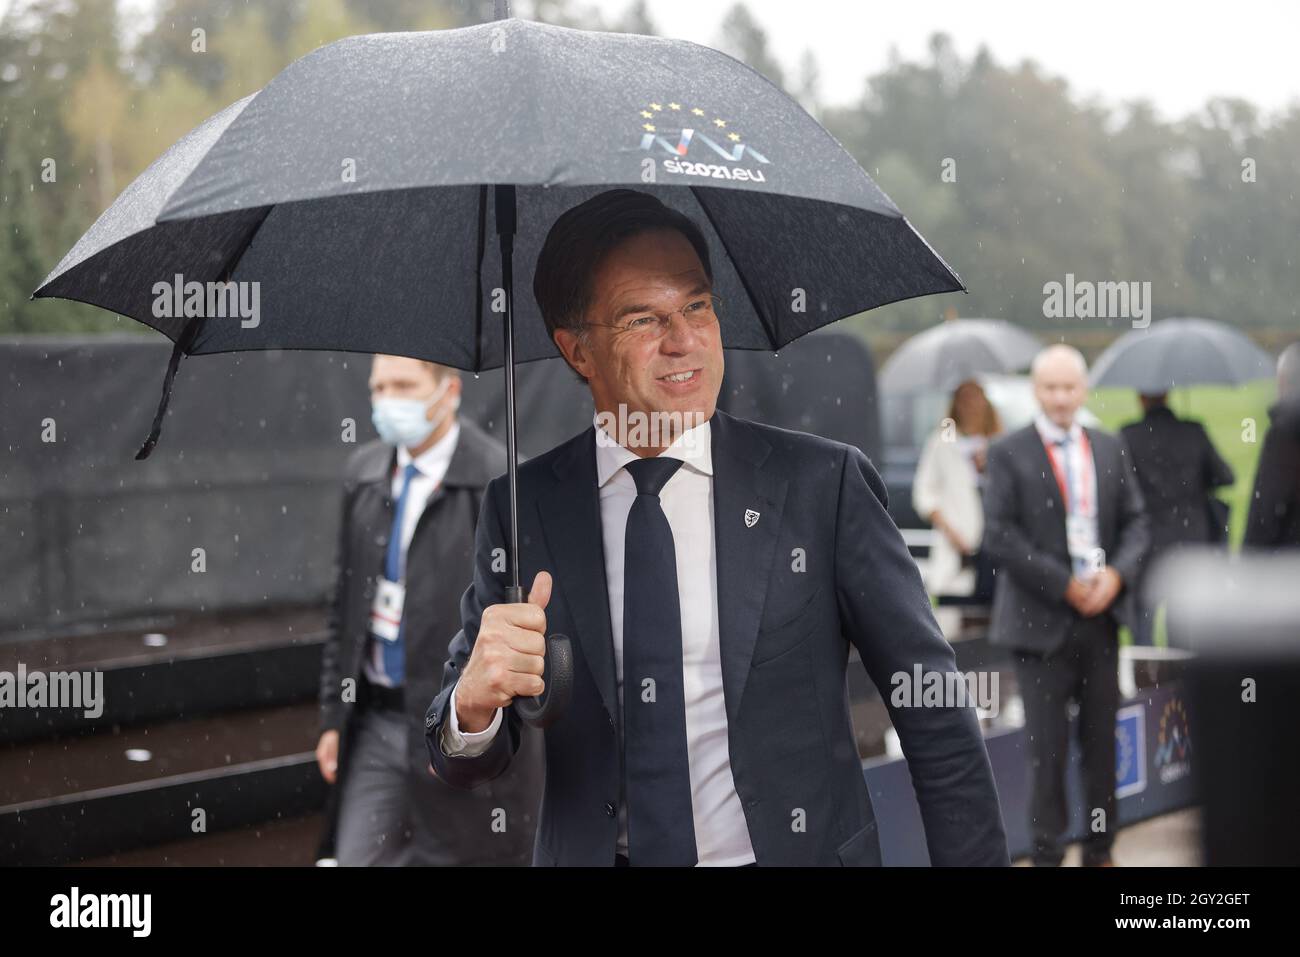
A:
(1066, 528)
(1076, 478)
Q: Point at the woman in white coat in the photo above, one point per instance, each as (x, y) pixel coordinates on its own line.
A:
(947, 489)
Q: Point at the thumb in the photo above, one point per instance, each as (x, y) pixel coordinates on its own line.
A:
(540, 593)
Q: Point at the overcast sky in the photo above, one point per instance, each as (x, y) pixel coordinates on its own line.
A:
(1176, 54)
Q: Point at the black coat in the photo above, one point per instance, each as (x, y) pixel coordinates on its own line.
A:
(819, 569)
(1177, 467)
(1024, 532)
(1274, 520)
(439, 566)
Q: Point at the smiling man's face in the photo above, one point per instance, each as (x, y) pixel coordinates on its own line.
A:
(625, 357)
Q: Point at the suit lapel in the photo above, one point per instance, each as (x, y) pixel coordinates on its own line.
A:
(1047, 472)
(570, 516)
(375, 478)
(1103, 473)
(743, 553)
(466, 469)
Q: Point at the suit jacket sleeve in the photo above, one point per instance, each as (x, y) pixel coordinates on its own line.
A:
(488, 588)
(1134, 529)
(1274, 482)
(887, 616)
(331, 671)
(1216, 471)
(1010, 548)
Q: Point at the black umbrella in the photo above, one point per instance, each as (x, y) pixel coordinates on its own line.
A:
(1180, 352)
(355, 194)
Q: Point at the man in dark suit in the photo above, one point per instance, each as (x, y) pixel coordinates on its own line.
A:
(1178, 468)
(713, 574)
(405, 553)
(1066, 528)
(1274, 520)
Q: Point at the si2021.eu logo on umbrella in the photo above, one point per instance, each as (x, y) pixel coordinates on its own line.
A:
(688, 140)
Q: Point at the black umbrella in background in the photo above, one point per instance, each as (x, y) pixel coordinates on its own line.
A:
(351, 203)
(1174, 353)
(942, 357)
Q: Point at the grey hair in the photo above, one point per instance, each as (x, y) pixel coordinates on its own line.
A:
(1059, 349)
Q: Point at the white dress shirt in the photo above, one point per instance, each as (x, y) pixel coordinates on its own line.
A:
(721, 833)
(432, 463)
(1078, 471)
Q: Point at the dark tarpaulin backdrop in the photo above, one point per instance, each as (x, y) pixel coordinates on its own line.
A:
(251, 465)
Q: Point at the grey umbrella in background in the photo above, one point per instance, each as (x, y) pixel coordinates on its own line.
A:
(352, 202)
(1173, 353)
(943, 356)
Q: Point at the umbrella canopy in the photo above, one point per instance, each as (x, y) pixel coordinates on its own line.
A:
(1180, 352)
(943, 356)
(354, 189)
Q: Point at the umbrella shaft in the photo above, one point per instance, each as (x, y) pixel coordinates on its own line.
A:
(504, 201)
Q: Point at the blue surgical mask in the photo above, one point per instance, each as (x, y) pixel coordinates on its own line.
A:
(403, 421)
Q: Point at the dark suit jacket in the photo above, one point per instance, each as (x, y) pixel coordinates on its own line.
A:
(439, 563)
(1177, 467)
(1274, 520)
(785, 640)
(1024, 532)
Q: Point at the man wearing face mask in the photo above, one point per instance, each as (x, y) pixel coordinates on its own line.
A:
(405, 556)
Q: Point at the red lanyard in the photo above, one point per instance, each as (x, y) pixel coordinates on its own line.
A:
(1086, 463)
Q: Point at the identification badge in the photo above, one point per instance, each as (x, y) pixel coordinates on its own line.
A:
(1080, 534)
(386, 612)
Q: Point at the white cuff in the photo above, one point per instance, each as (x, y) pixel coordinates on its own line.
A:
(466, 744)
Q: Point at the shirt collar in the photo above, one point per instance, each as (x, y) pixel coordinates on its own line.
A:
(434, 460)
(694, 447)
(1052, 432)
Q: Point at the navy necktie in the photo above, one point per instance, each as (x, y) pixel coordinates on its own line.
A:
(394, 653)
(660, 825)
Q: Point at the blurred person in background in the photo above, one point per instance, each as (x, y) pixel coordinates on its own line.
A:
(947, 489)
(406, 544)
(1274, 519)
(1178, 469)
(1067, 530)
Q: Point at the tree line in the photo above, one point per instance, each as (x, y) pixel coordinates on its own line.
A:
(1016, 179)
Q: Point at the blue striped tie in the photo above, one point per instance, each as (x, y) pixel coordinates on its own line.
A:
(394, 652)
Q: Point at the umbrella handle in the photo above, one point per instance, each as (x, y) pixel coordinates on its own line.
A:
(544, 710)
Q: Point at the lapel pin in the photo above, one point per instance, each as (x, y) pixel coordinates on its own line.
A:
(751, 518)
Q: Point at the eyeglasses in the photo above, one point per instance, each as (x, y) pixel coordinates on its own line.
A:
(699, 313)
